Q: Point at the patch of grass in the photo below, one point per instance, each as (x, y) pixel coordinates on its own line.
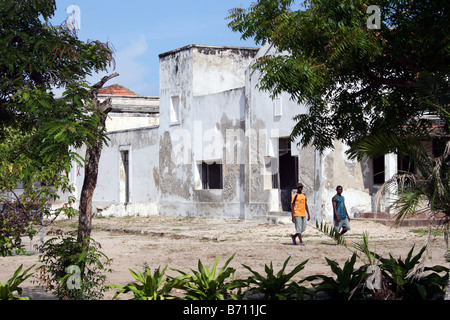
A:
(65, 223)
(426, 231)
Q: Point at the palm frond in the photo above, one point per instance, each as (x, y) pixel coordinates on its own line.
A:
(364, 248)
(427, 191)
(378, 145)
(331, 232)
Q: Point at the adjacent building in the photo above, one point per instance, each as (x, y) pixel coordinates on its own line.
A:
(213, 145)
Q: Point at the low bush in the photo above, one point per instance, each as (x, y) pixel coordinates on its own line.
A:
(207, 284)
(73, 270)
(11, 290)
(277, 286)
(149, 287)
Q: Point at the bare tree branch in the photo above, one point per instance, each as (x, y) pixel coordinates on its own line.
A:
(105, 79)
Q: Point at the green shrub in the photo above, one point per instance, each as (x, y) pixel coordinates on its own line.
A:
(404, 285)
(11, 290)
(206, 284)
(276, 286)
(150, 286)
(73, 270)
(348, 284)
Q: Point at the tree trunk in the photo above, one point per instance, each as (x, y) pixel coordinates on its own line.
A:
(93, 152)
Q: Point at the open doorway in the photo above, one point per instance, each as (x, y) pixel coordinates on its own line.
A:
(288, 172)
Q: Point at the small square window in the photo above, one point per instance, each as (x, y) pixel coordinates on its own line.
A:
(277, 107)
(211, 175)
(175, 110)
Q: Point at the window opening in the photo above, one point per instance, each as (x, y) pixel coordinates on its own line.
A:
(211, 175)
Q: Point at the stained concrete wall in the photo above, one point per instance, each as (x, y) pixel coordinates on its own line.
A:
(320, 173)
(274, 117)
(355, 178)
(201, 98)
(202, 137)
(204, 80)
(217, 68)
(210, 109)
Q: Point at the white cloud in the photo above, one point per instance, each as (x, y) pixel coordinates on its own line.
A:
(131, 63)
(135, 49)
(132, 67)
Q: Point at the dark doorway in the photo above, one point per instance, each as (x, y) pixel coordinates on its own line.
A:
(288, 172)
(378, 170)
(212, 176)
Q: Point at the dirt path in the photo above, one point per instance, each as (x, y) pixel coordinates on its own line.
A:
(157, 241)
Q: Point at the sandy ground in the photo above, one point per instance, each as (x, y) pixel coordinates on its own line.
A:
(158, 241)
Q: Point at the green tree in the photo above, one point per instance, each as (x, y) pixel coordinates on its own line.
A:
(371, 88)
(355, 80)
(39, 131)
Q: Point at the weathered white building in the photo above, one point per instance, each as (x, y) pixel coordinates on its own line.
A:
(214, 145)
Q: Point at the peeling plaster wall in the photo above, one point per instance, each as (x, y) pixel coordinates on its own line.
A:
(218, 69)
(320, 174)
(272, 118)
(208, 81)
(355, 178)
(203, 136)
(210, 109)
(175, 82)
(221, 128)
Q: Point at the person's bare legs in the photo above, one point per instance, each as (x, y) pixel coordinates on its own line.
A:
(293, 236)
(339, 235)
(300, 239)
(299, 235)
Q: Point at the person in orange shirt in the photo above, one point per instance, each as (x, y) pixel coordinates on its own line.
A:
(299, 209)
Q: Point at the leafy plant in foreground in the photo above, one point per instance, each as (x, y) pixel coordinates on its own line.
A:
(207, 284)
(149, 287)
(64, 255)
(276, 286)
(406, 284)
(12, 285)
(349, 283)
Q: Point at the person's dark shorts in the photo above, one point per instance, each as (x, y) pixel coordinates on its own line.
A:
(344, 224)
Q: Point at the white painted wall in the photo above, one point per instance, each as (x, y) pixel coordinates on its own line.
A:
(207, 81)
(319, 173)
(131, 112)
(142, 145)
(207, 92)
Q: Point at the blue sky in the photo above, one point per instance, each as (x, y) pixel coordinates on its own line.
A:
(142, 29)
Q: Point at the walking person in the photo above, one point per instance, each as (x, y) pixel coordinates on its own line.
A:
(299, 207)
(340, 214)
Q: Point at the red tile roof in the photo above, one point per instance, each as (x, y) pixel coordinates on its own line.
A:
(118, 90)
